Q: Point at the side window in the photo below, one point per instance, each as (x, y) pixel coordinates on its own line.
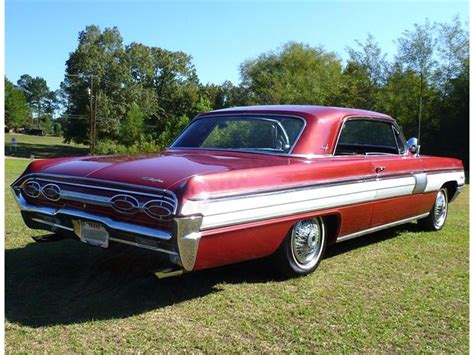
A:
(366, 137)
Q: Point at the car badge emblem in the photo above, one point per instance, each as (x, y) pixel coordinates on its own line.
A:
(151, 179)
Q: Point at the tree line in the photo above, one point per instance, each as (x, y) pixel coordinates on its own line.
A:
(143, 95)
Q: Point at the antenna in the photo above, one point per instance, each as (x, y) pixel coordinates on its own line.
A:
(419, 118)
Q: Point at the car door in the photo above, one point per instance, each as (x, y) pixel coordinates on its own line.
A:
(354, 191)
(398, 175)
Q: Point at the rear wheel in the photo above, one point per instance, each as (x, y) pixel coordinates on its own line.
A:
(438, 214)
(303, 248)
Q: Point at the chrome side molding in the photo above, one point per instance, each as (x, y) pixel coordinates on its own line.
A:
(379, 228)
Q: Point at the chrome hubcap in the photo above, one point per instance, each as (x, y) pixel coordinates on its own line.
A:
(440, 209)
(306, 241)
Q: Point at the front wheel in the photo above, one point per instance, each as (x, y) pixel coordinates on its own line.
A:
(303, 248)
(438, 214)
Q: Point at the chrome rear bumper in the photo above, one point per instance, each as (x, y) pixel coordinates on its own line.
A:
(181, 248)
(125, 227)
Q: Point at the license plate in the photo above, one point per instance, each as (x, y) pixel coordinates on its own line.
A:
(95, 234)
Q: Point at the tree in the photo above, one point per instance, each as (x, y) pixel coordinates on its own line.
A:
(416, 51)
(97, 58)
(452, 137)
(364, 75)
(164, 83)
(132, 126)
(294, 74)
(40, 99)
(17, 112)
(399, 98)
(225, 95)
(453, 51)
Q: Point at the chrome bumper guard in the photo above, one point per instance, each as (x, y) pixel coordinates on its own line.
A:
(187, 235)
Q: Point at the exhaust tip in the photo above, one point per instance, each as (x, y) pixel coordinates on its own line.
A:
(169, 272)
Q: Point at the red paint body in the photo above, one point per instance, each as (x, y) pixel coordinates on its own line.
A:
(194, 173)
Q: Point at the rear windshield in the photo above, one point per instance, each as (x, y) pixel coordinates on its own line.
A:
(269, 134)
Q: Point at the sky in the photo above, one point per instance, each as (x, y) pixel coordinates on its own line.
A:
(39, 34)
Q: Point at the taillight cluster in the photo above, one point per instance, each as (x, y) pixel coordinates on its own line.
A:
(33, 189)
(161, 207)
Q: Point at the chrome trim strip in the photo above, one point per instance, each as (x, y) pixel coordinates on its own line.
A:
(379, 228)
(443, 171)
(55, 225)
(121, 226)
(85, 198)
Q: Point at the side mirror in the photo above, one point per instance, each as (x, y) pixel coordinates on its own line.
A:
(413, 146)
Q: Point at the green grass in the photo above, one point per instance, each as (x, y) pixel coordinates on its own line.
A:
(41, 147)
(400, 290)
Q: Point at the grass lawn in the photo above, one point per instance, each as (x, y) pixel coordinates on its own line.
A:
(41, 147)
(400, 290)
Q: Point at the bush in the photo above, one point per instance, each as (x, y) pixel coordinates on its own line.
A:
(57, 129)
(110, 147)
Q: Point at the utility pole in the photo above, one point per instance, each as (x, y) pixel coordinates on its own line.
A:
(93, 110)
(95, 120)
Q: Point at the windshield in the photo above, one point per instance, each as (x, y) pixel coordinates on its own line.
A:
(271, 134)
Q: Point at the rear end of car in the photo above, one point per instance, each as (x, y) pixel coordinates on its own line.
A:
(100, 213)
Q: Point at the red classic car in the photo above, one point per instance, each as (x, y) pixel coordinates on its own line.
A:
(246, 183)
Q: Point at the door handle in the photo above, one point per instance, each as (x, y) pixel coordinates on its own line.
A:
(379, 169)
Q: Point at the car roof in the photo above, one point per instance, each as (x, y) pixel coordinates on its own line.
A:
(322, 123)
(305, 110)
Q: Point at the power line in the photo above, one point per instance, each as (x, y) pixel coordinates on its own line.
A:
(87, 77)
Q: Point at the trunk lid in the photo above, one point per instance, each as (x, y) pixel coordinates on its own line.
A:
(165, 170)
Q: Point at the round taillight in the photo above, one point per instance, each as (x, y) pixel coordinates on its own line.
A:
(51, 192)
(158, 209)
(32, 189)
(125, 204)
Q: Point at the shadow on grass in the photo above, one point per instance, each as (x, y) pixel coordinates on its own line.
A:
(373, 238)
(25, 150)
(67, 282)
